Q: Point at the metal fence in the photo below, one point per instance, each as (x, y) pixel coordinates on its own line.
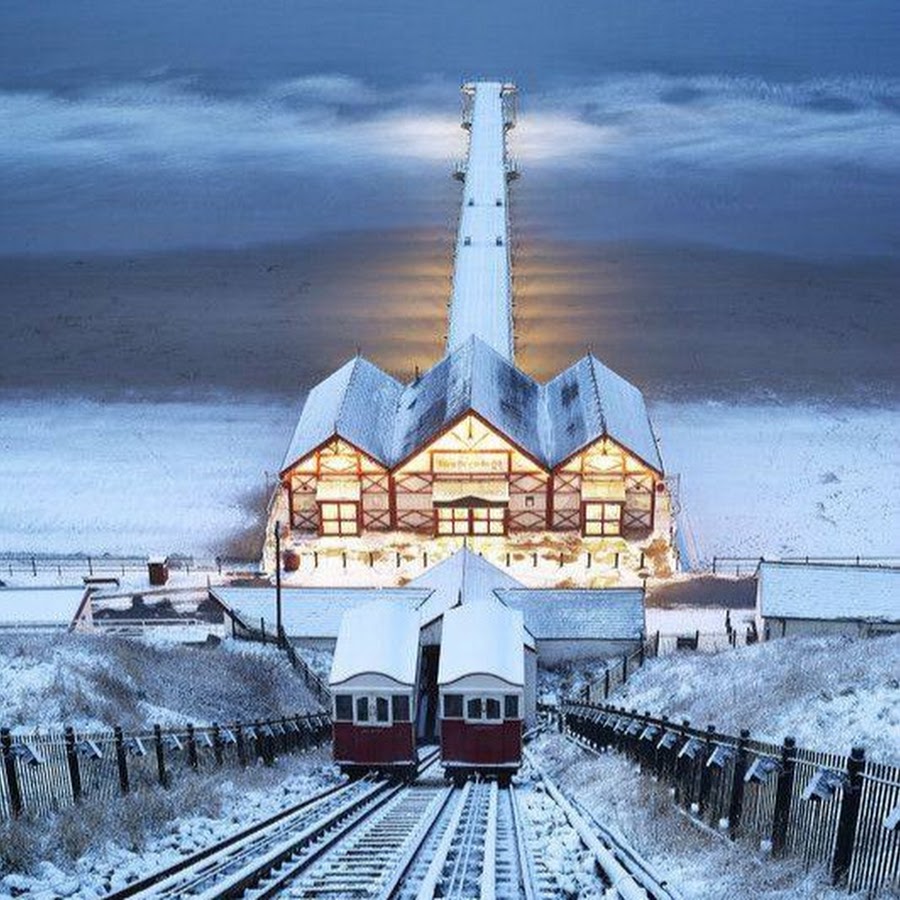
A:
(43, 773)
(837, 811)
(745, 566)
(100, 565)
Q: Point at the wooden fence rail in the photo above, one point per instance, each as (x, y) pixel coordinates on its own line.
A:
(43, 773)
(824, 808)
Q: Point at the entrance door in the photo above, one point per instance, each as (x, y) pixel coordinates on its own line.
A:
(339, 518)
(471, 520)
(602, 519)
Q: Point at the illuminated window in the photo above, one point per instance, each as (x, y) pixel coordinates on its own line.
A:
(466, 520)
(602, 518)
(339, 518)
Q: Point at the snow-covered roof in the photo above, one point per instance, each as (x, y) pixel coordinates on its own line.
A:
(357, 403)
(481, 299)
(464, 577)
(589, 401)
(367, 407)
(482, 638)
(562, 614)
(380, 637)
(815, 591)
(472, 377)
(39, 607)
(309, 612)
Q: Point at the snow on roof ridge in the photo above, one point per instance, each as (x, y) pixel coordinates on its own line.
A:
(604, 429)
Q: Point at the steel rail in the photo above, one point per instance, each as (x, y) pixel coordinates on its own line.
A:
(342, 886)
(239, 837)
(630, 876)
(188, 876)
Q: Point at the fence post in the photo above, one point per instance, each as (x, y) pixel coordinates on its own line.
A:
(659, 760)
(784, 791)
(736, 807)
(656, 644)
(606, 683)
(192, 746)
(160, 756)
(217, 743)
(641, 655)
(12, 775)
(121, 759)
(705, 772)
(678, 765)
(848, 817)
(241, 746)
(624, 668)
(72, 763)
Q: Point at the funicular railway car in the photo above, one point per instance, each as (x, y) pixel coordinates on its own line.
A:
(481, 683)
(373, 681)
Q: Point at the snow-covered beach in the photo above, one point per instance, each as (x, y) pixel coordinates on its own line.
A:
(191, 477)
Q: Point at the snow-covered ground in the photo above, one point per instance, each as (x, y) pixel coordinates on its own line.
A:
(829, 693)
(166, 477)
(785, 479)
(90, 850)
(121, 477)
(90, 681)
(697, 865)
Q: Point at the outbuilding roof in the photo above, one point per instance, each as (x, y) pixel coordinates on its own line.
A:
(565, 614)
(39, 607)
(380, 638)
(463, 577)
(817, 591)
(482, 638)
(309, 612)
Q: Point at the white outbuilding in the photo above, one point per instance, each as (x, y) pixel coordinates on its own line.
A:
(814, 598)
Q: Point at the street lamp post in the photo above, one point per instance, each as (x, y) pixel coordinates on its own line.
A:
(278, 579)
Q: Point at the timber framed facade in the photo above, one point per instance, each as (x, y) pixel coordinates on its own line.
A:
(472, 481)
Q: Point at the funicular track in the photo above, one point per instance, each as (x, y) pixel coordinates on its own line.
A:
(419, 841)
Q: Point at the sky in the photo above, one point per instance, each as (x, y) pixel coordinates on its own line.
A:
(757, 125)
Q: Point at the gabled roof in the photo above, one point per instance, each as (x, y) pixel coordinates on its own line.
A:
(367, 407)
(588, 401)
(357, 403)
(464, 577)
(816, 591)
(380, 638)
(570, 614)
(472, 377)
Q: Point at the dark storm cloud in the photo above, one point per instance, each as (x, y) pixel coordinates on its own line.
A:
(163, 164)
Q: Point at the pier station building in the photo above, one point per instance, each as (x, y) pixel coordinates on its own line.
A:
(475, 450)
